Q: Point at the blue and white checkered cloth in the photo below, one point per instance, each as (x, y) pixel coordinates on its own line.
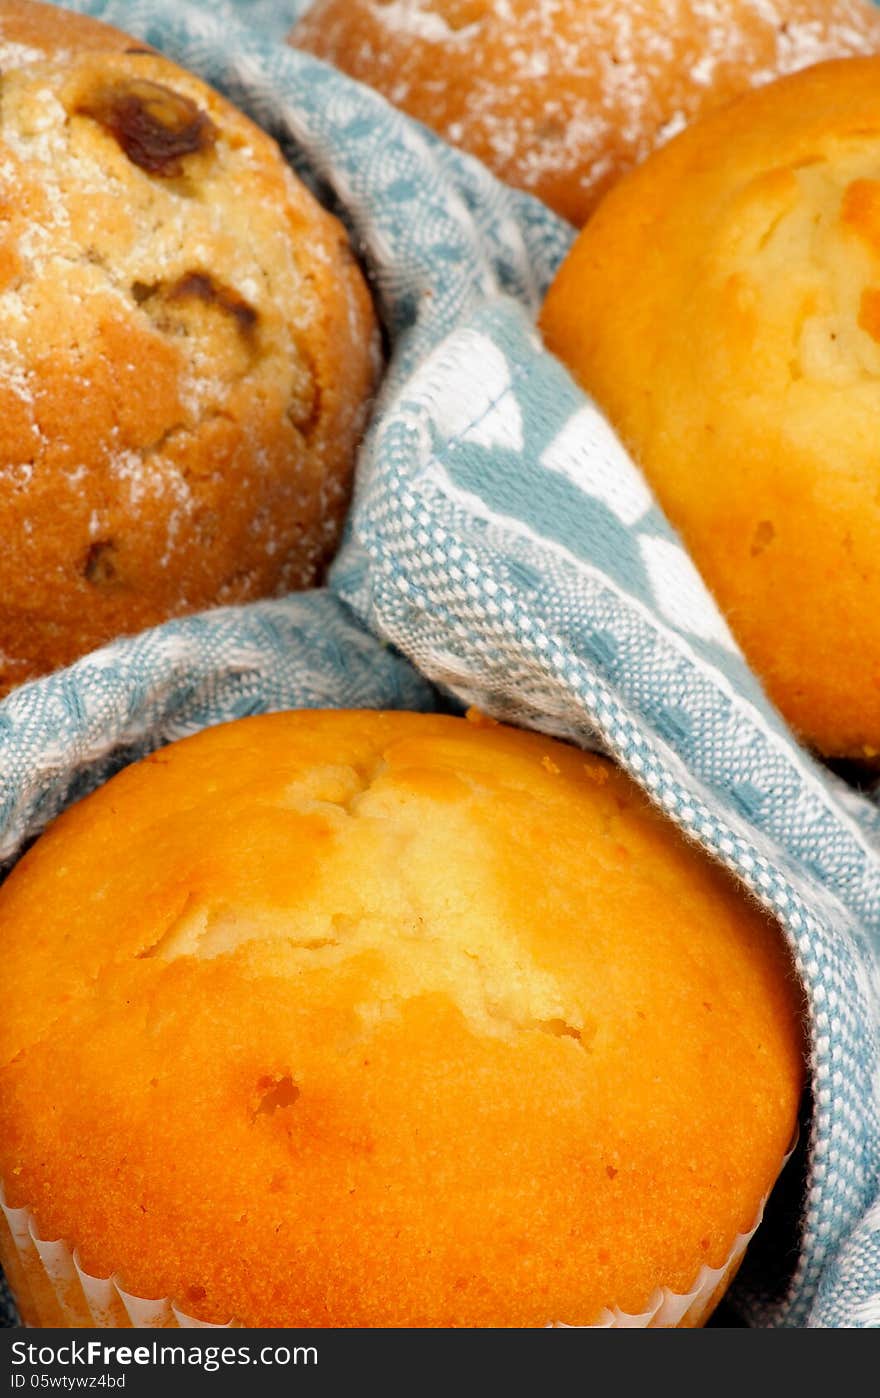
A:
(503, 551)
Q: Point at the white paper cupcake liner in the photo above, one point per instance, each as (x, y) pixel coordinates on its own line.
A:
(667, 1309)
(52, 1289)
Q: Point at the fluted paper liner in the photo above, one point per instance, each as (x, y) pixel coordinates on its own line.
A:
(669, 1309)
(52, 1289)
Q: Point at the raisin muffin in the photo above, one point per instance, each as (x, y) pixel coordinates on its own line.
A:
(188, 354)
(723, 306)
(387, 1019)
(559, 97)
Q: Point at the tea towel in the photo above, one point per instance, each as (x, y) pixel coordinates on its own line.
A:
(502, 550)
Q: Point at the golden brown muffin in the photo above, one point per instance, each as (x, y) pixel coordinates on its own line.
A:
(560, 97)
(187, 357)
(722, 307)
(30, 31)
(378, 1019)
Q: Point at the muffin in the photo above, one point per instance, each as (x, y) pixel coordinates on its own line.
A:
(561, 97)
(723, 307)
(385, 1019)
(188, 355)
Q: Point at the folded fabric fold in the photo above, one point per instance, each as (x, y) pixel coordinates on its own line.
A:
(502, 550)
(503, 541)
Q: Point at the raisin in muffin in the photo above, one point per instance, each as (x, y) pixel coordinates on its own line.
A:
(559, 97)
(187, 358)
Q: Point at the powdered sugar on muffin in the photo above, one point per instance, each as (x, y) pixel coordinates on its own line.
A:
(30, 32)
(188, 353)
(560, 96)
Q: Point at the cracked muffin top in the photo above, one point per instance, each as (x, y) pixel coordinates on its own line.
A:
(187, 357)
(388, 1019)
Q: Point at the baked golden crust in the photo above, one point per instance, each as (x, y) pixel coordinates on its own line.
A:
(388, 1019)
(560, 97)
(721, 308)
(188, 354)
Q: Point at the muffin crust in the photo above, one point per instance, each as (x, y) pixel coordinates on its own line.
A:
(386, 1019)
(188, 354)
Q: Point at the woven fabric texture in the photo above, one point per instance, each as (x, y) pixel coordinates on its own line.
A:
(502, 550)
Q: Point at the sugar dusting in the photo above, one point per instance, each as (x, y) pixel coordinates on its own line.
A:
(580, 87)
(36, 146)
(164, 443)
(421, 22)
(15, 55)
